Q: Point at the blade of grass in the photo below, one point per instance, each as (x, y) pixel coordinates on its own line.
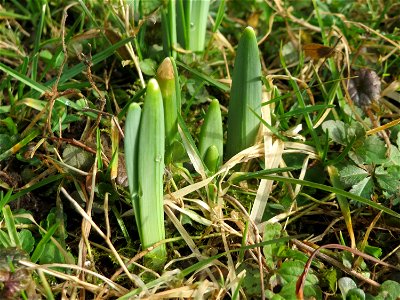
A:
(306, 110)
(41, 246)
(41, 183)
(24, 79)
(220, 15)
(35, 85)
(206, 78)
(11, 15)
(97, 58)
(302, 104)
(14, 149)
(343, 203)
(191, 148)
(5, 239)
(333, 190)
(114, 148)
(36, 44)
(10, 225)
(4, 199)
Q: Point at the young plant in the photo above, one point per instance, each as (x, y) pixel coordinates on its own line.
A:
(198, 24)
(148, 165)
(131, 151)
(192, 23)
(245, 102)
(168, 21)
(150, 173)
(211, 135)
(166, 80)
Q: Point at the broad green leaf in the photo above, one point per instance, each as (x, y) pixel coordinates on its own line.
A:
(148, 67)
(351, 175)
(27, 240)
(6, 142)
(78, 158)
(364, 188)
(394, 157)
(345, 285)
(329, 276)
(51, 254)
(197, 18)
(251, 282)
(373, 251)
(271, 231)
(389, 290)
(291, 270)
(387, 182)
(148, 6)
(342, 133)
(375, 150)
(336, 131)
(355, 294)
(288, 291)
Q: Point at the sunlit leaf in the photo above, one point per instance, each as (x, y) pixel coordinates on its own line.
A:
(351, 175)
(363, 188)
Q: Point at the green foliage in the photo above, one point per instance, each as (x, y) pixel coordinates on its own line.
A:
(349, 290)
(70, 76)
(389, 290)
(245, 96)
(131, 148)
(272, 231)
(150, 170)
(77, 158)
(27, 240)
(212, 159)
(369, 169)
(167, 82)
(192, 23)
(287, 274)
(211, 133)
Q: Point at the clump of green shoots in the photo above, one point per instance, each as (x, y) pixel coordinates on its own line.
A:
(144, 151)
(245, 101)
(192, 23)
